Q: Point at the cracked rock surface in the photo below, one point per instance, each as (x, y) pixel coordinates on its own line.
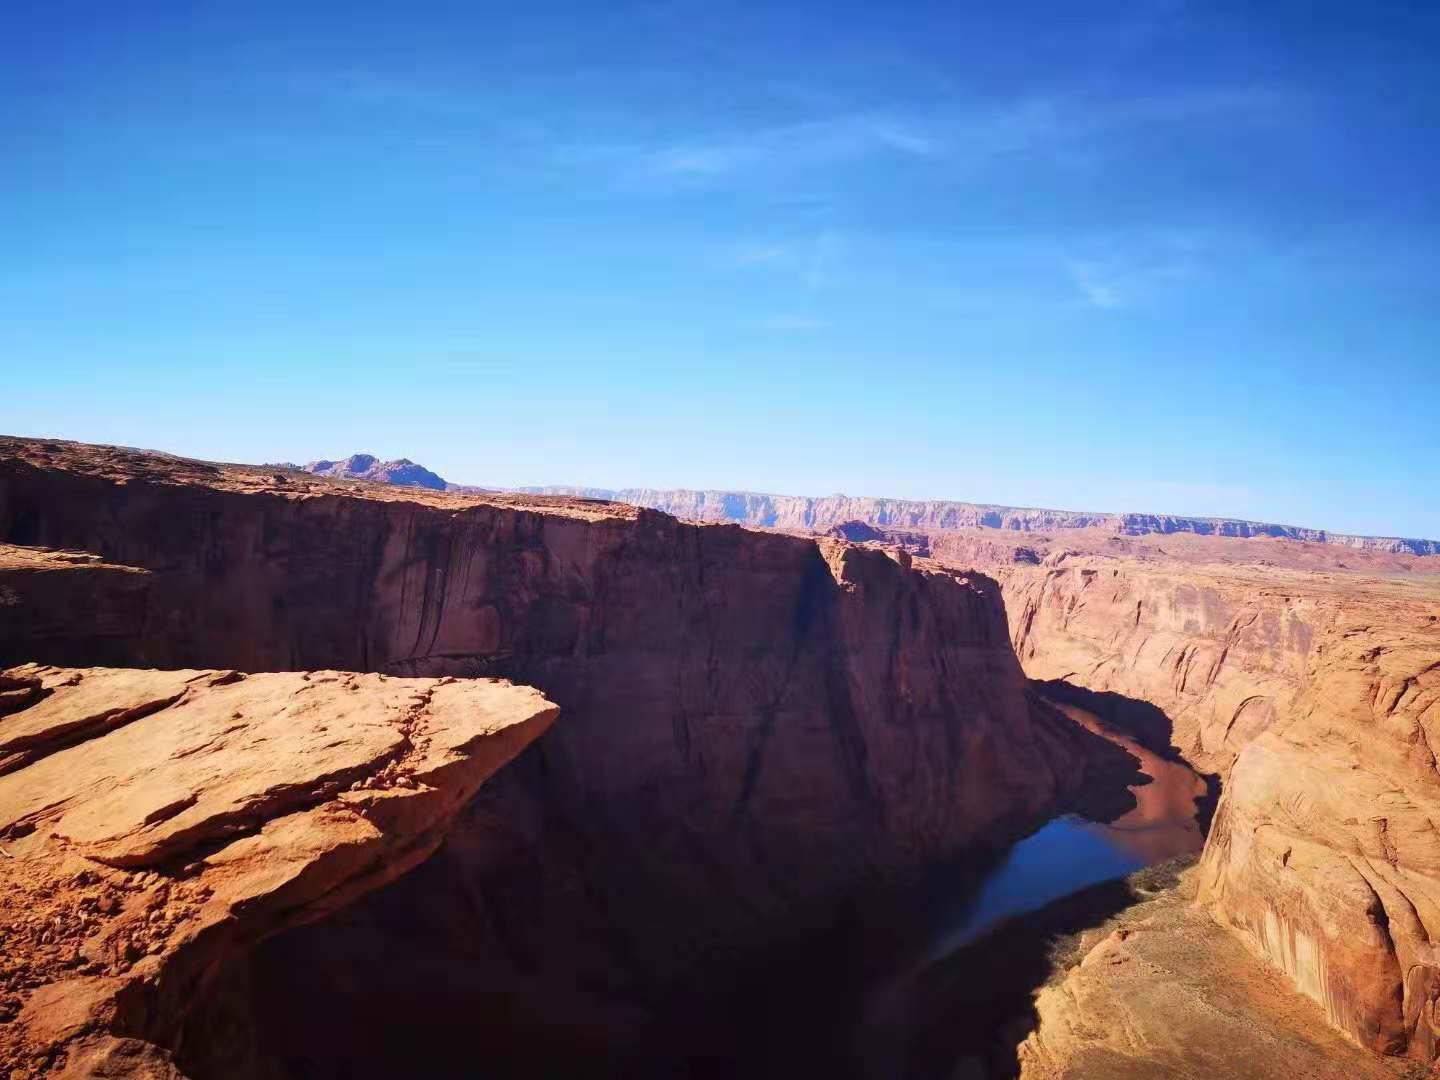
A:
(156, 824)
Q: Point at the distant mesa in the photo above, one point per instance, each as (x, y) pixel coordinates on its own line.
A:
(859, 519)
(401, 471)
(857, 532)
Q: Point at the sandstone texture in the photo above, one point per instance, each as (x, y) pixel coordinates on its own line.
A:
(156, 826)
(1314, 698)
(1156, 994)
(754, 722)
(61, 602)
(1305, 679)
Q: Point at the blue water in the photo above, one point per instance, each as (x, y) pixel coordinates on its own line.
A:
(1064, 856)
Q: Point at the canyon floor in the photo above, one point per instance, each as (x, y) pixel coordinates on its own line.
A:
(1154, 992)
(264, 732)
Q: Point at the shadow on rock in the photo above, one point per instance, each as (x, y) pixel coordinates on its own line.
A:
(975, 1006)
(1147, 724)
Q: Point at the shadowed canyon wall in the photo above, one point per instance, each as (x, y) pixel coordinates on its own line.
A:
(756, 723)
(753, 723)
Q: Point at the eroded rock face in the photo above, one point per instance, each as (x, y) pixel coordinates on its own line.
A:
(1223, 653)
(158, 825)
(1316, 699)
(806, 513)
(1154, 993)
(1325, 855)
(754, 722)
(60, 603)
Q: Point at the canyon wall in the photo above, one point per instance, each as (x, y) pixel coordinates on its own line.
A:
(802, 513)
(1315, 697)
(753, 722)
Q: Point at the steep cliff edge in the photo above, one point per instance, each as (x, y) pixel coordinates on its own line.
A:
(157, 826)
(754, 723)
(1315, 697)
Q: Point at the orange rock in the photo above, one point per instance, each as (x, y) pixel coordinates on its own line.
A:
(224, 832)
(1316, 699)
(736, 702)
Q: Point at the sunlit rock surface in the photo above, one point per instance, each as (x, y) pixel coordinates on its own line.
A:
(159, 825)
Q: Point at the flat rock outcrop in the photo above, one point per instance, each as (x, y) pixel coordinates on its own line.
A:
(156, 826)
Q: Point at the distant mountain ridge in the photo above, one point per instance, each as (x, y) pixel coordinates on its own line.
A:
(401, 471)
(821, 513)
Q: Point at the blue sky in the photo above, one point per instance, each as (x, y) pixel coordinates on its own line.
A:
(1153, 256)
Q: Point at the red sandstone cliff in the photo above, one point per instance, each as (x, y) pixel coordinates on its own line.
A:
(753, 722)
(807, 514)
(803, 513)
(1316, 698)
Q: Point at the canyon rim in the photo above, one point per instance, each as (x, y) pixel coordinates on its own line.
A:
(246, 760)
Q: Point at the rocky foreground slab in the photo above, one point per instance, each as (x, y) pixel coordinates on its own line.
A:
(156, 824)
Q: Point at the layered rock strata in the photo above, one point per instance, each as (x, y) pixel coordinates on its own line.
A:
(1315, 698)
(156, 826)
(755, 723)
(802, 513)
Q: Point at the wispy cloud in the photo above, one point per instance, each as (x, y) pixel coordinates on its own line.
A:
(811, 261)
(942, 135)
(1120, 271)
(944, 132)
(792, 146)
(825, 255)
(1099, 287)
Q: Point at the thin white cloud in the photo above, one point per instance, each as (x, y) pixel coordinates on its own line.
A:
(811, 262)
(1070, 128)
(944, 131)
(1122, 270)
(825, 254)
(1099, 288)
(792, 146)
